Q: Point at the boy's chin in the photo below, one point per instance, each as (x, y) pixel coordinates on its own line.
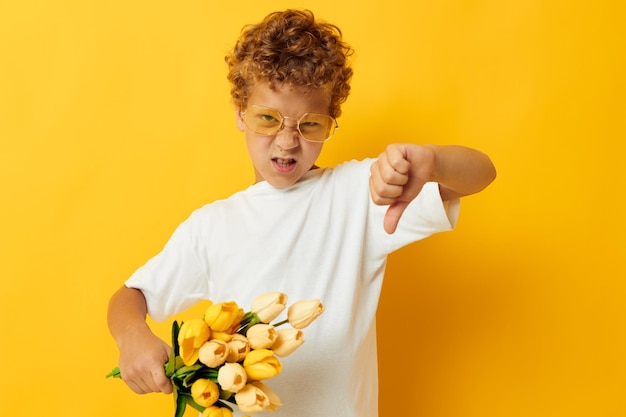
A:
(281, 184)
(280, 181)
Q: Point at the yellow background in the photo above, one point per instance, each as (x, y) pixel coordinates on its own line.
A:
(115, 123)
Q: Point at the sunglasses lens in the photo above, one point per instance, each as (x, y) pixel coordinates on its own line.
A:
(316, 127)
(267, 121)
(262, 120)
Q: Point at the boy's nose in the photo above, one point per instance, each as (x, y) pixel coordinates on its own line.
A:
(288, 137)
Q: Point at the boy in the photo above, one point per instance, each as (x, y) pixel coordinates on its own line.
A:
(303, 230)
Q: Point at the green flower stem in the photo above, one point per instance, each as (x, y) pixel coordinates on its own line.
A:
(249, 320)
(115, 373)
(184, 372)
(222, 404)
(280, 323)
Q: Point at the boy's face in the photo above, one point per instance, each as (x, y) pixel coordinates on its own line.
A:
(283, 158)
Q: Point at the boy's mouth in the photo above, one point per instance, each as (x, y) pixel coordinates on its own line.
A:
(284, 164)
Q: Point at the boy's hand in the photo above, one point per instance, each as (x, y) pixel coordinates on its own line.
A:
(398, 176)
(142, 363)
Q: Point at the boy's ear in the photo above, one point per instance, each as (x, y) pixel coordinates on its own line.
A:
(240, 125)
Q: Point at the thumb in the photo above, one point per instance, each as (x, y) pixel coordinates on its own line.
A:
(392, 217)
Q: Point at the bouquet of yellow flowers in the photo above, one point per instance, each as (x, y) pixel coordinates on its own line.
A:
(224, 356)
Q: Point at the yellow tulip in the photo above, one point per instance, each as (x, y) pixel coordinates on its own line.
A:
(261, 336)
(268, 306)
(205, 392)
(223, 316)
(232, 377)
(302, 313)
(251, 399)
(275, 402)
(261, 364)
(214, 411)
(225, 336)
(239, 346)
(191, 336)
(213, 353)
(255, 397)
(287, 341)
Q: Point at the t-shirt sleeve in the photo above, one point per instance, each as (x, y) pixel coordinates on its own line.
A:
(174, 279)
(426, 215)
(442, 215)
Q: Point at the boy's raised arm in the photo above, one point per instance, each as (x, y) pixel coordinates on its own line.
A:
(142, 354)
(401, 171)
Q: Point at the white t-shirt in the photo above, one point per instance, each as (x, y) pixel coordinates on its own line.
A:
(321, 238)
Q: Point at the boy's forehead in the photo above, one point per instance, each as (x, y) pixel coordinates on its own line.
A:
(261, 87)
(285, 94)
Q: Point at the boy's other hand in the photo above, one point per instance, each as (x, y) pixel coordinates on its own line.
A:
(142, 363)
(398, 176)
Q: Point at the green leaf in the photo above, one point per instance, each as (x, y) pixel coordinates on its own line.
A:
(171, 364)
(207, 373)
(115, 373)
(185, 370)
(189, 379)
(181, 404)
(175, 330)
(225, 395)
(178, 383)
(194, 404)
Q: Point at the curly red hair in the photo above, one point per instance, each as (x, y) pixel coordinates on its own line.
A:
(291, 47)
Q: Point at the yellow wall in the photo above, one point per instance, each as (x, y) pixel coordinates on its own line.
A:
(115, 123)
